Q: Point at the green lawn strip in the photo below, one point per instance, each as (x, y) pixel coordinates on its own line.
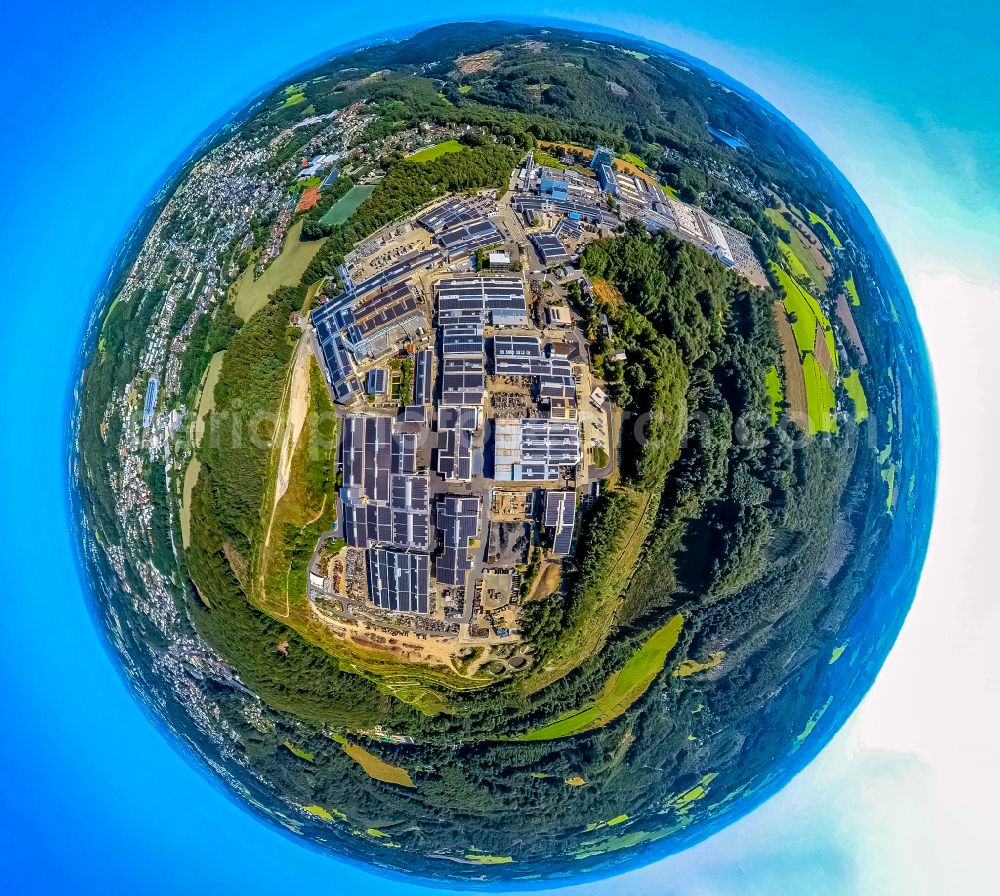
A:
(347, 205)
(792, 260)
(621, 689)
(432, 152)
(852, 383)
(775, 393)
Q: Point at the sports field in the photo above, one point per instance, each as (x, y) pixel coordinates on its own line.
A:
(621, 690)
(347, 205)
(432, 152)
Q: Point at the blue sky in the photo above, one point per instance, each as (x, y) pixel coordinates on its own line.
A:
(99, 99)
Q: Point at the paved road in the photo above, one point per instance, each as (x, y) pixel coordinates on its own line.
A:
(614, 438)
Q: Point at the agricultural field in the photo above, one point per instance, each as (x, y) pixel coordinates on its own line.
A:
(433, 152)
(808, 315)
(816, 219)
(347, 205)
(852, 290)
(820, 398)
(852, 383)
(621, 690)
(810, 257)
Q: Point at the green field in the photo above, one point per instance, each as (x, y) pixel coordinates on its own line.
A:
(816, 219)
(852, 290)
(206, 402)
(621, 690)
(775, 393)
(821, 401)
(794, 243)
(634, 159)
(808, 313)
(852, 383)
(347, 205)
(792, 260)
(670, 191)
(286, 270)
(432, 152)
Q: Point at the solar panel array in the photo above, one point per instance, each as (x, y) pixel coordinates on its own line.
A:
(410, 504)
(340, 369)
(415, 413)
(468, 238)
(458, 520)
(378, 381)
(469, 299)
(462, 340)
(591, 213)
(463, 381)
(385, 501)
(423, 379)
(560, 514)
(549, 248)
(534, 449)
(567, 229)
(456, 426)
(516, 347)
(448, 214)
(398, 582)
(412, 261)
(375, 311)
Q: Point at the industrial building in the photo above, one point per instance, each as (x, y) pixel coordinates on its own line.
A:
(385, 500)
(399, 582)
(423, 378)
(534, 449)
(462, 341)
(465, 239)
(449, 214)
(456, 429)
(560, 514)
(378, 381)
(549, 249)
(478, 299)
(458, 522)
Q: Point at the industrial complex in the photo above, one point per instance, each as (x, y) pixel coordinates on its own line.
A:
(471, 417)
